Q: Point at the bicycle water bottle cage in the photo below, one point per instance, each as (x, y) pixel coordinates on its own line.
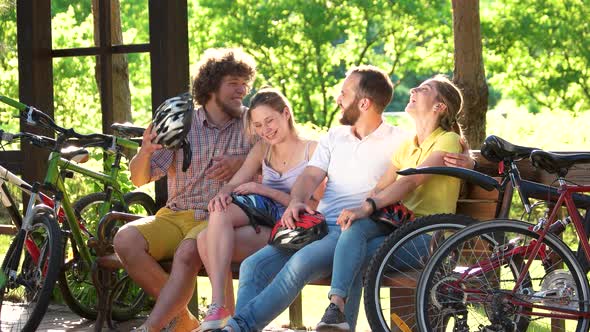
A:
(496, 149)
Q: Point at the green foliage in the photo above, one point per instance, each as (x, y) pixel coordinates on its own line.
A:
(8, 64)
(539, 52)
(552, 130)
(305, 47)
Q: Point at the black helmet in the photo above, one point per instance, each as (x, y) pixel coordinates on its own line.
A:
(395, 215)
(309, 228)
(172, 122)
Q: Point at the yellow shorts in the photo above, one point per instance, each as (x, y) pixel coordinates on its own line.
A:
(164, 231)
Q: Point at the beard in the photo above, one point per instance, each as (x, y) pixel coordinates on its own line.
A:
(350, 114)
(234, 112)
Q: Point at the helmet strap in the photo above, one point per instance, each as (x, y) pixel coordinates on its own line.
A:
(187, 154)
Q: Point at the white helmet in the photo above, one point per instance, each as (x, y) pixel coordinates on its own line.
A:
(172, 122)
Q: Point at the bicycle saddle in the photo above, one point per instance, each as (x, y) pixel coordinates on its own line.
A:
(75, 154)
(496, 149)
(558, 163)
(128, 130)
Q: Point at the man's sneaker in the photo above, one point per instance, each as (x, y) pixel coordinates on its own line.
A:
(333, 320)
(216, 318)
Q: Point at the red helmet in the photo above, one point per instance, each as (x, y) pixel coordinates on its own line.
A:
(309, 228)
(395, 215)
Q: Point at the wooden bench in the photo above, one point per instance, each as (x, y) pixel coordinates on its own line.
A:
(474, 201)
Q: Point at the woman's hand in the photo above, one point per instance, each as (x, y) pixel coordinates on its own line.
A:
(220, 202)
(348, 216)
(249, 188)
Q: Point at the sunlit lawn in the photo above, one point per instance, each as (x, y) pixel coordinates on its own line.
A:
(315, 301)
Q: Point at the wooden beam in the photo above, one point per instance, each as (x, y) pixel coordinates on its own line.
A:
(105, 60)
(86, 51)
(35, 70)
(12, 160)
(169, 58)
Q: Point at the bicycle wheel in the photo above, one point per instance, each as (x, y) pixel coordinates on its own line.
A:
(26, 294)
(75, 280)
(392, 275)
(473, 281)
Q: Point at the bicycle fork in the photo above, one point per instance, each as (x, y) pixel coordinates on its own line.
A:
(9, 275)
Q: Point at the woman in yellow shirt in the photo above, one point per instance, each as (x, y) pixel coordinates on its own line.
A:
(434, 106)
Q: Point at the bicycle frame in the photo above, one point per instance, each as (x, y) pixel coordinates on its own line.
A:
(56, 172)
(534, 248)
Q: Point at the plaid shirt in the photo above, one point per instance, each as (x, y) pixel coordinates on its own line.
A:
(190, 190)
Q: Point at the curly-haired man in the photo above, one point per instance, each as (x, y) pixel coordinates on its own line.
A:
(219, 147)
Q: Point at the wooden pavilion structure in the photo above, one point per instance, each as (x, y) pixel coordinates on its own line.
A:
(167, 48)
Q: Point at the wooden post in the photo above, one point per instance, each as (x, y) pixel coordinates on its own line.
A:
(169, 59)
(296, 314)
(35, 76)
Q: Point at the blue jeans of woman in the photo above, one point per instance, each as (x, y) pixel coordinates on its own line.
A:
(355, 247)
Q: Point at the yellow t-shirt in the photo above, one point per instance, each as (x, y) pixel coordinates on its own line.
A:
(440, 193)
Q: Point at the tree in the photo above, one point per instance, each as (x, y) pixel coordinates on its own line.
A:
(539, 52)
(469, 73)
(121, 93)
(305, 47)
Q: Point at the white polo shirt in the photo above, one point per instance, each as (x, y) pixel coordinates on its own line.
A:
(354, 166)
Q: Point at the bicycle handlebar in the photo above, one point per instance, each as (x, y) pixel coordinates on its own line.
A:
(37, 140)
(35, 117)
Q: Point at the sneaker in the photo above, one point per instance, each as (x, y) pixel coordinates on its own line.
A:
(183, 323)
(142, 328)
(216, 318)
(333, 320)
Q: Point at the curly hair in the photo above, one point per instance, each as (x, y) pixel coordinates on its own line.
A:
(217, 63)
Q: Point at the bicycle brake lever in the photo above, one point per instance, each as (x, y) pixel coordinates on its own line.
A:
(113, 148)
(4, 136)
(28, 116)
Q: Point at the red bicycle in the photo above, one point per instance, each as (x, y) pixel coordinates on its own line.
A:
(507, 275)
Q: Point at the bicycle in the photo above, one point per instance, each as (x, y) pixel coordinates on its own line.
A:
(507, 275)
(79, 259)
(392, 275)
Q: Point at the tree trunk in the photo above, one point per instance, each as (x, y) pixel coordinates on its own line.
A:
(121, 92)
(469, 73)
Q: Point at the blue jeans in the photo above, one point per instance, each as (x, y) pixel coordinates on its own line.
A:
(286, 273)
(353, 251)
(355, 248)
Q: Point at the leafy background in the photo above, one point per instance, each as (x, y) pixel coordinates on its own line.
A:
(536, 55)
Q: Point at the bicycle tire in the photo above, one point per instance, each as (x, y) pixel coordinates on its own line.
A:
(417, 238)
(30, 288)
(75, 280)
(461, 286)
